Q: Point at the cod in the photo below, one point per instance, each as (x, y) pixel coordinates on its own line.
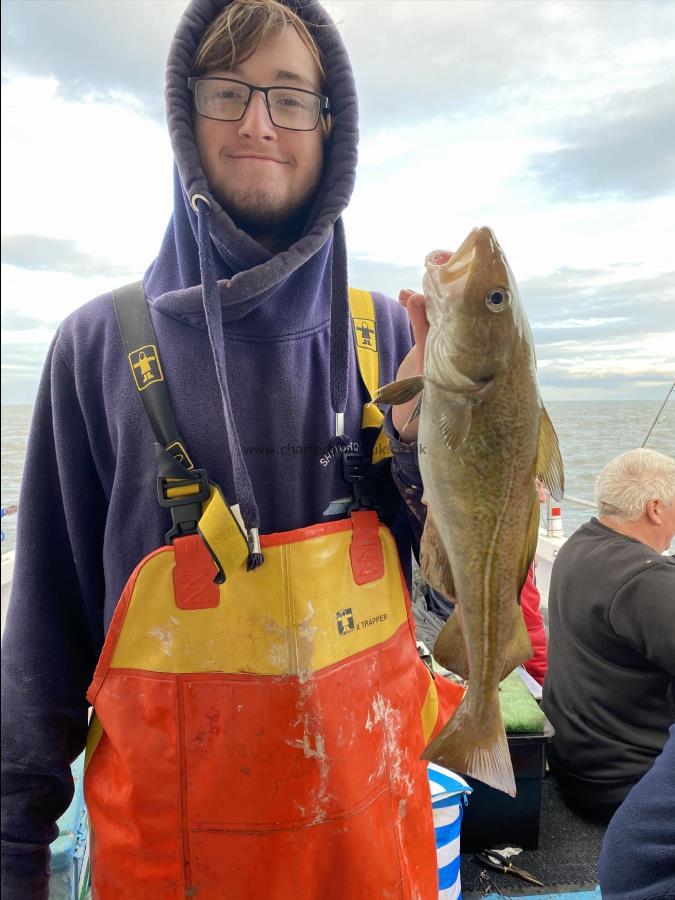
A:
(483, 437)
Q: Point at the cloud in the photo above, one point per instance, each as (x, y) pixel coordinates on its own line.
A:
(22, 365)
(605, 374)
(432, 58)
(595, 336)
(16, 321)
(561, 387)
(449, 58)
(623, 147)
(473, 111)
(629, 366)
(37, 252)
(36, 300)
(601, 338)
(105, 48)
(384, 277)
(24, 359)
(609, 308)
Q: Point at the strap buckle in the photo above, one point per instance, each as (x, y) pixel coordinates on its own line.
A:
(357, 471)
(185, 506)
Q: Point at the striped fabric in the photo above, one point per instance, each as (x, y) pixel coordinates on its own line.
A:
(448, 795)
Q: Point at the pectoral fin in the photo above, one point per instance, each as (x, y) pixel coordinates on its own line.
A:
(416, 411)
(436, 571)
(549, 460)
(450, 648)
(397, 392)
(455, 422)
(434, 562)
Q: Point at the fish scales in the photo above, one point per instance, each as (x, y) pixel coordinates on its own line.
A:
(483, 437)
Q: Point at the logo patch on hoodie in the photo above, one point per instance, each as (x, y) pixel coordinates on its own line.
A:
(145, 366)
(365, 333)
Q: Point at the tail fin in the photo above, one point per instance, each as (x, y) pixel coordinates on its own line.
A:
(477, 748)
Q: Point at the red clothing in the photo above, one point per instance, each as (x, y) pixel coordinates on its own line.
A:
(529, 599)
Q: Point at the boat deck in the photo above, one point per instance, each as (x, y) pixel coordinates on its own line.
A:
(566, 859)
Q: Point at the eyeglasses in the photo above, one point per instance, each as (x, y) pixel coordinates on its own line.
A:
(227, 99)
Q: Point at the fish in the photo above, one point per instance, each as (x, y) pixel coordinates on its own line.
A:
(483, 437)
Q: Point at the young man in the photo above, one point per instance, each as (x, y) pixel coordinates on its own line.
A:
(259, 705)
(610, 686)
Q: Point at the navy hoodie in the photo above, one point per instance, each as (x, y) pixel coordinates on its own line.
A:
(88, 506)
(637, 859)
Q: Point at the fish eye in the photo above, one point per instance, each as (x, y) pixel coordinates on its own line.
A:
(498, 299)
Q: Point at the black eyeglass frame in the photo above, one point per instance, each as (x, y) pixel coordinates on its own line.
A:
(324, 103)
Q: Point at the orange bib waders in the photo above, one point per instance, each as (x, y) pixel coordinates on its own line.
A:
(264, 741)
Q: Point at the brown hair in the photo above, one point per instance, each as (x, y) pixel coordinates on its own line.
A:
(241, 27)
(238, 31)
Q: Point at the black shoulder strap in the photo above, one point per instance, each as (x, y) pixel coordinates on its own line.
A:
(140, 342)
(196, 505)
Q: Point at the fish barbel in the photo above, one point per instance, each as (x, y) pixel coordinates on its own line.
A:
(483, 437)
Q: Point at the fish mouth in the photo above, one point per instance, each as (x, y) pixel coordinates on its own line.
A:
(439, 258)
(448, 267)
(480, 244)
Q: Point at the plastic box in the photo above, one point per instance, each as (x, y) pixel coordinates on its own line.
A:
(492, 818)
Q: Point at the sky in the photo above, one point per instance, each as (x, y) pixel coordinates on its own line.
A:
(551, 121)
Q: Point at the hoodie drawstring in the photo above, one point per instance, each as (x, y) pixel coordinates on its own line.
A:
(340, 324)
(340, 335)
(214, 324)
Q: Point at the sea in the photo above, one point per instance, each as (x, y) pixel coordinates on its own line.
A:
(590, 434)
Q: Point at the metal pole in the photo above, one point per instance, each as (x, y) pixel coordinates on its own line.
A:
(658, 415)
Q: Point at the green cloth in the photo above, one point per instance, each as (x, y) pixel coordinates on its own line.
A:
(520, 711)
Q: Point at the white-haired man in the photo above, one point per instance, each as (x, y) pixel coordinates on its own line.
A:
(610, 686)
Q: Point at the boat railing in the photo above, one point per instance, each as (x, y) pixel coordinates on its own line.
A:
(553, 513)
(580, 502)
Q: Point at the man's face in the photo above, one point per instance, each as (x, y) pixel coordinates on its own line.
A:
(264, 175)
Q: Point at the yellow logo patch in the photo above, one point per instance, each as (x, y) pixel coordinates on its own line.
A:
(180, 454)
(145, 366)
(365, 333)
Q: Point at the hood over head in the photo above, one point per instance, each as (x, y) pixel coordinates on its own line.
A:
(211, 273)
(248, 274)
